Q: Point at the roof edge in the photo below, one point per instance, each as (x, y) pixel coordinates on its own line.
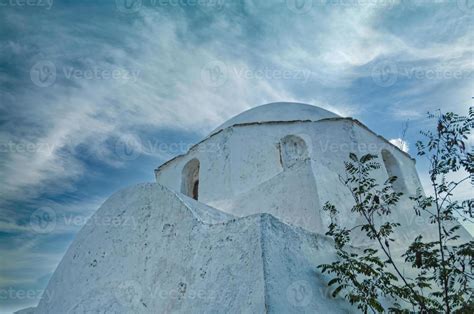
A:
(283, 122)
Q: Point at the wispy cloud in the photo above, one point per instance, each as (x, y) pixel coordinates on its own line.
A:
(165, 58)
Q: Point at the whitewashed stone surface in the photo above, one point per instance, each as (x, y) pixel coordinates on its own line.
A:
(253, 241)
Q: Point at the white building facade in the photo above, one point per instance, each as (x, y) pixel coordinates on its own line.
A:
(251, 239)
(284, 159)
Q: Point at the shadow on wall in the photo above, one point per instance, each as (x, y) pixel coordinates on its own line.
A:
(190, 179)
(293, 151)
(393, 169)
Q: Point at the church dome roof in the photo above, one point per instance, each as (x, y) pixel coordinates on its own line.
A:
(278, 111)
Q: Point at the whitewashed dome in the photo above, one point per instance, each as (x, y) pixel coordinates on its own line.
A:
(278, 111)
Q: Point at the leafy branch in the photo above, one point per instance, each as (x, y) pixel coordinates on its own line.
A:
(443, 267)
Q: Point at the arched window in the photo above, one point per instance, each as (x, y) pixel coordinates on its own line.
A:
(393, 169)
(293, 150)
(190, 179)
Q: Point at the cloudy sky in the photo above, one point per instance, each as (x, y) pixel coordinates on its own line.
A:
(95, 94)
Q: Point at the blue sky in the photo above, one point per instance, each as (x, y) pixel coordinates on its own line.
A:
(96, 94)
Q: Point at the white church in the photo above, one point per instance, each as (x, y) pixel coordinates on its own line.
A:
(235, 225)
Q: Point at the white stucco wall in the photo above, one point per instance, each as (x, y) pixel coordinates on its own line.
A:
(165, 253)
(241, 171)
(151, 249)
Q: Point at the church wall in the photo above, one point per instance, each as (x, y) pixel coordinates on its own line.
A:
(157, 257)
(237, 163)
(332, 149)
(213, 170)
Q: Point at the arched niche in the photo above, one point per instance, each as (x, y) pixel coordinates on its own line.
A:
(393, 169)
(190, 179)
(293, 149)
